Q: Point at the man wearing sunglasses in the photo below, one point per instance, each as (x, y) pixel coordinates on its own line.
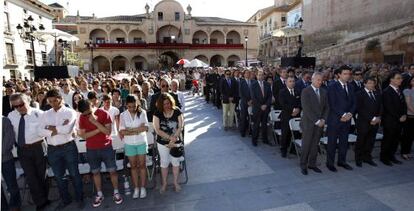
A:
(164, 88)
(66, 92)
(30, 138)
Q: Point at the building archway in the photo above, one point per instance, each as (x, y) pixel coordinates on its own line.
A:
(233, 37)
(200, 37)
(98, 36)
(136, 36)
(232, 60)
(202, 58)
(118, 36)
(217, 61)
(217, 37)
(168, 34)
(168, 59)
(119, 63)
(101, 64)
(139, 63)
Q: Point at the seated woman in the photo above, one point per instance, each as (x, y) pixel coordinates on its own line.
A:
(132, 129)
(168, 124)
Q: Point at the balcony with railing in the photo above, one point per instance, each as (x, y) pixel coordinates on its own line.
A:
(167, 46)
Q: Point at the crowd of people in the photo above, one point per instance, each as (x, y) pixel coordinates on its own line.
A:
(330, 101)
(46, 119)
(95, 108)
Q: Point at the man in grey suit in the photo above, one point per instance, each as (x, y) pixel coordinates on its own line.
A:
(315, 112)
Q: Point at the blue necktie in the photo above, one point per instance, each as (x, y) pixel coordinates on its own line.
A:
(229, 82)
(21, 140)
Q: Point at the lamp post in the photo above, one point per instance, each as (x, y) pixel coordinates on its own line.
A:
(300, 24)
(26, 32)
(172, 39)
(246, 38)
(91, 45)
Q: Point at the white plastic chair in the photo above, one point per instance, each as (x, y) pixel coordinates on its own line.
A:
(273, 118)
(294, 125)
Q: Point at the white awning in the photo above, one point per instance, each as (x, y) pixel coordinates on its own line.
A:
(288, 32)
(56, 34)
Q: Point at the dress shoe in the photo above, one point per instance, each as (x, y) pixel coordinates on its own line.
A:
(331, 168)
(44, 205)
(358, 163)
(283, 154)
(254, 143)
(386, 162)
(81, 204)
(315, 169)
(345, 166)
(266, 142)
(226, 129)
(395, 161)
(370, 162)
(243, 135)
(62, 205)
(304, 171)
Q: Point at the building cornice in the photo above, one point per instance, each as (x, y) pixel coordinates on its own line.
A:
(35, 7)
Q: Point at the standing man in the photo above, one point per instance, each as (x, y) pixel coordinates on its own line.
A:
(7, 108)
(262, 100)
(245, 101)
(62, 152)
(279, 84)
(369, 109)
(342, 106)
(67, 92)
(229, 90)
(395, 110)
(314, 100)
(357, 81)
(8, 169)
(289, 99)
(303, 82)
(30, 138)
(95, 128)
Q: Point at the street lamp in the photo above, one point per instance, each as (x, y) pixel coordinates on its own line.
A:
(246, 38)
(26, 32)
(172, 39)
(91, 45)
(300, 24)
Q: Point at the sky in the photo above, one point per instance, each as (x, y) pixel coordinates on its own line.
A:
(232, 9)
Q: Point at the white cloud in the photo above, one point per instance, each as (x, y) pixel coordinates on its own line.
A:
(232, 9)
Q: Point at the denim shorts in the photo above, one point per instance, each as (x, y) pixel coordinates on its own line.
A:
(97, 156)
(133, 150)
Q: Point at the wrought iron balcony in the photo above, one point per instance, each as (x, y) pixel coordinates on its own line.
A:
(167, 46)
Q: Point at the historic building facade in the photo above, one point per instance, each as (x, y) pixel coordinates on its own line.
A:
(160, 37)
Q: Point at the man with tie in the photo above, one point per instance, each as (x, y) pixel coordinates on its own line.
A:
(303, 82)
(314, 101)
(407, 76)
(279, 84)
(342, 106)
(30, 138)
(357, 81)
(369, 109)
(229, 91)
(394, 115)
(289, 99)
(245, 101)
(262, 100)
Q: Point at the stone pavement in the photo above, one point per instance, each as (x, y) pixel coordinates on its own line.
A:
(227, 173)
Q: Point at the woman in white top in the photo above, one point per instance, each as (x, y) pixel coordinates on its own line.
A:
(132, 130)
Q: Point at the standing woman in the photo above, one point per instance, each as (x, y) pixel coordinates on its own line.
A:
(168, 124)
(408, 133)
(133, 128)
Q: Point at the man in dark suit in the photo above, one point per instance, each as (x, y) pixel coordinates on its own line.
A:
(407, 76)
(262, 100)
(245, 101)
(303, 82)
(357, 81)
(369, 109)
(279, 84)
(342, 106)
(394, 115)
(314, 101)
(6, 101)
(230, 92)
(289, 99)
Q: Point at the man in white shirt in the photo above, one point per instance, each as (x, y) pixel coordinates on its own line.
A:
(113, 113)
(66, 92)
(62, 152)
(30, 138)
(174, 89)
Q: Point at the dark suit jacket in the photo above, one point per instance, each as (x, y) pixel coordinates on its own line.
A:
(340, 103)
(277, 86)
(288, 103)
(367, 108)
(300, 84)
(244, 91)
(313, 109)
(6, 105)
(394, 107)
(258, 98)
(356, 87)
(229, 91)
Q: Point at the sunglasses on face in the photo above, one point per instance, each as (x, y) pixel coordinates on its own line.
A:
(18, 106)
(137, 92)
(164, 86)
